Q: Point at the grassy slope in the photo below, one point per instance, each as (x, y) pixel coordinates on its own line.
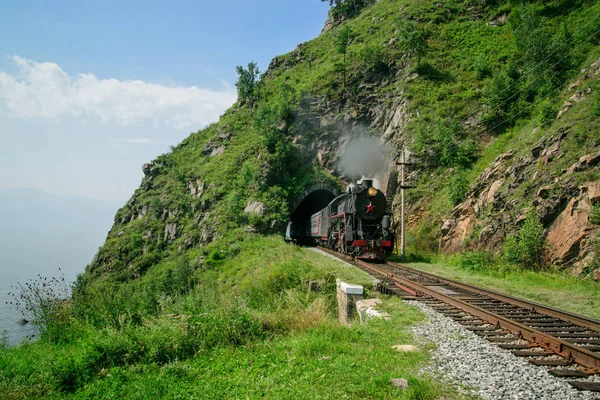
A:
(250, 329)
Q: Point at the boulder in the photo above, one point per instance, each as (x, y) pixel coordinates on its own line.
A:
(367, 309)
(208, 147)
(400, 383)
(151, 169)
(405, 348)
(593, 192)
(170, 231)
(255, 207)
(218, 151)
(544, 191)
(589, 160)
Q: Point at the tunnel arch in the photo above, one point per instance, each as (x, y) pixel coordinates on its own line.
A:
(311, 200)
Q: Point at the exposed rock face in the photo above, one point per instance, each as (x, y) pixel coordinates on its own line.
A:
(170, 232)
(487, 216)
(151, 169)
(255, 207)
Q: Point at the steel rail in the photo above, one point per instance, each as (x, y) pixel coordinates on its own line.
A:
(561, 347)
(570, 351)
(580, 320)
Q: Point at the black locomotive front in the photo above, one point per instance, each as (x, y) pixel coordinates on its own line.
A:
(356, 223)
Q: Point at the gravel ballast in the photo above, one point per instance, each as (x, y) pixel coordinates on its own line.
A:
(487, 370)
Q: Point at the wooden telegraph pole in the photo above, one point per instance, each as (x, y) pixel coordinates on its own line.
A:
(403, 186)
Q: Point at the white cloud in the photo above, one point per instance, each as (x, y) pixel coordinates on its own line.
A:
(45, 91)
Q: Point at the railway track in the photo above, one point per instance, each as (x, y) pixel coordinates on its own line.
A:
(566, 343)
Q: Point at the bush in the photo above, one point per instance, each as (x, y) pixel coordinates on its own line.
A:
(475, 261)
(595, 214)
(481, 67)
(596, 105)
(526, 248)
(499, 96)
(374, 58)
(457, 186)
(546, 113)
(44, 301)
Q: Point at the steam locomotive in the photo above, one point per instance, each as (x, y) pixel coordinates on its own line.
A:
(355, 223)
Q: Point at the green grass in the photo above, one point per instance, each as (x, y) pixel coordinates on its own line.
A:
(551, 289)
(248, 328)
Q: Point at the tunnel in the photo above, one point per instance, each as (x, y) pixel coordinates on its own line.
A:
(310, 204)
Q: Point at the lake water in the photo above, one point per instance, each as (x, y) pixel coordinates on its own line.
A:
(40, 233)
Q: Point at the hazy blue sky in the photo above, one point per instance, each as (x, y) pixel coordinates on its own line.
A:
(90, 90)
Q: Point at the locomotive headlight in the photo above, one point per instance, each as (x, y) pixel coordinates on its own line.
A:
(372, 192)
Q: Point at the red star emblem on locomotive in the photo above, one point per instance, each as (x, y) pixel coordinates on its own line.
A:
(370, 208)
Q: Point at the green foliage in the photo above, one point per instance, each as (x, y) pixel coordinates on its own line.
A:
(526, 248)
(500, 98)
(374, 58)
(247, 84)
(342, 40)
(457, 186)
(595, 214)
(475, 261)
(481, 67)
(411, 40)
(596, 105)
(345, 9)
(252, 318)
(546, 113)
(449, 144)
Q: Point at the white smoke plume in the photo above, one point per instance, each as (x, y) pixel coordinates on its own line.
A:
(364, 158)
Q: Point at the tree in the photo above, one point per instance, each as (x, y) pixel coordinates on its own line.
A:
(247, 84)
(411, 40)
(342, 40)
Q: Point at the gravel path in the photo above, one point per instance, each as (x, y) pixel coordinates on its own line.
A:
(490, 372)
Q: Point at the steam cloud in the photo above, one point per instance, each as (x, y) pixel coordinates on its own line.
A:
(363, 157)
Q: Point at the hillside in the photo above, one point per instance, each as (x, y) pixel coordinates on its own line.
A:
(497, 105)
(195, 294)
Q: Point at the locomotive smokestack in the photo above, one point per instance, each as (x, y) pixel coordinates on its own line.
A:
(367, 183)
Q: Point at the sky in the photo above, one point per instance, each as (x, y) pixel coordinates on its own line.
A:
(91, 90)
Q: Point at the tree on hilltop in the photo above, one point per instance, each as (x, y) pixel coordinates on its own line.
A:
(247, 84)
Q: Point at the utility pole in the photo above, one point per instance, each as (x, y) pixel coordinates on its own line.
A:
(403, 163)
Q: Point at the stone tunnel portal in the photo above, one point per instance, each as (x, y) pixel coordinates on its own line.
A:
(313, 202)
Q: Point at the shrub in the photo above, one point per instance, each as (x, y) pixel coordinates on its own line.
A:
(475, 261)
(499, 95)
(546, 113)
(596, 105)
(374, 58)
(457, 186)
(526, 248)
(595, 214)
(481, 67)
(43, 301)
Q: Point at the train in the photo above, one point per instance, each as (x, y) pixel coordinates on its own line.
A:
(356, 223)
